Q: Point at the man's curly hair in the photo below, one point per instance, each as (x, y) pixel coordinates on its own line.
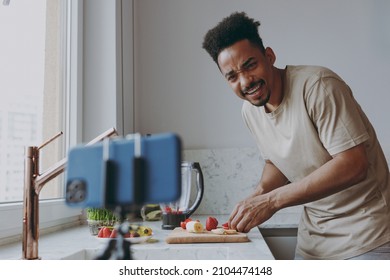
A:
(231, 29)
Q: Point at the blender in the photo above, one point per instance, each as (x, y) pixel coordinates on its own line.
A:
(176, 212)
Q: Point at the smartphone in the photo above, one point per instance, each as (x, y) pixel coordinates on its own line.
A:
(125, 172)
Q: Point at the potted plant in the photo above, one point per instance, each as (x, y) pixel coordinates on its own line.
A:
(99, 217)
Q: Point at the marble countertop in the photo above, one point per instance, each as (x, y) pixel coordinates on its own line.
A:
(69, 243)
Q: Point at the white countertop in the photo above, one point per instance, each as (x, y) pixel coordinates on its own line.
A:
(70, 242)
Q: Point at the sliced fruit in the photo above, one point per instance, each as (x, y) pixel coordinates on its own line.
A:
(225, 225)
(211, 223)
(144, 231)
(106, 232)
(184, 223)
(114, 233)
(231, 231)
(219, 231)
(222, 231)
(194, 226)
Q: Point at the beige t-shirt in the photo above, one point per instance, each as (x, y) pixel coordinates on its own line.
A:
(318, 118)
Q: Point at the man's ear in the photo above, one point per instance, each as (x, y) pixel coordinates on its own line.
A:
(270, 55)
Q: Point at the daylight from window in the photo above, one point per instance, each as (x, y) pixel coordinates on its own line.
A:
(22, 66)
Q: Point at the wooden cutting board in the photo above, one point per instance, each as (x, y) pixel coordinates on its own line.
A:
(179, 235)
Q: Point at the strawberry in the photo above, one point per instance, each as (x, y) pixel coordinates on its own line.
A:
(225, 225)
(114, 233)
(211, 223)
(106, 232)
(184, 223)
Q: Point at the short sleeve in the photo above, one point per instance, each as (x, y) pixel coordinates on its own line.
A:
(336, 115)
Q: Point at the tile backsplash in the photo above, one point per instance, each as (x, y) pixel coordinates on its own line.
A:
(230, 175)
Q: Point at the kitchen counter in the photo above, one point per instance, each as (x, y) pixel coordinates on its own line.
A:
(71, 243)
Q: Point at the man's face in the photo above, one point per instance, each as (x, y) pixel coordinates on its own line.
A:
(248, 71)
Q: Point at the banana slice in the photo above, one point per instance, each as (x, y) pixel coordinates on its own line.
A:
(219, 231)
(222, 231)
(231, 231)
(194, 226)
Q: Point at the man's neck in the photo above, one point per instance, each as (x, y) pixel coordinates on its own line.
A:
(277, 92)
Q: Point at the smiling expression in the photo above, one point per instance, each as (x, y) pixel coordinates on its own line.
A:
(249, 72)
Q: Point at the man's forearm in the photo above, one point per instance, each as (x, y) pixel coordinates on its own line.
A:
(344, 170)
(271, 178)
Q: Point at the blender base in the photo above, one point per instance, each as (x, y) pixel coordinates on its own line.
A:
(171, 221)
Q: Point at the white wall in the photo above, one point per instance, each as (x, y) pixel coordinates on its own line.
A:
(179, 88)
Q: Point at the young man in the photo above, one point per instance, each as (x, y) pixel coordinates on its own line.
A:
(319, 148)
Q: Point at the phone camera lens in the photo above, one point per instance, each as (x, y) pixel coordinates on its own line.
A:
(76, 191)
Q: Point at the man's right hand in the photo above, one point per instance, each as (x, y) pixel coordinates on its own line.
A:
(251, 212)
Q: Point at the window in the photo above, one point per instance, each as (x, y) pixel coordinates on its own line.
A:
(34, 71)
(30, 110)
